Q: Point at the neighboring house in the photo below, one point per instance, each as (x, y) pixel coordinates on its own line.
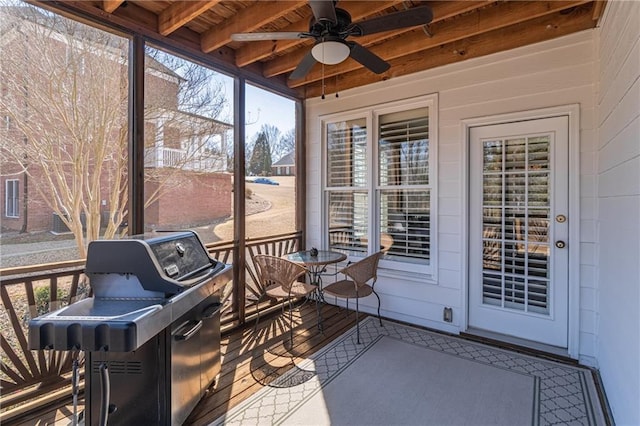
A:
(175, 139)
(286, 166)
(200, 151)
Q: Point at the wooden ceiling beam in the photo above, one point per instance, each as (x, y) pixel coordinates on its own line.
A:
(441, 10)
(255, 51)
(248, 19)
(180, 13)
(598, 9)
(110, 5)
(518, 35)
(480, 21)
(135, 19)
(405, 53)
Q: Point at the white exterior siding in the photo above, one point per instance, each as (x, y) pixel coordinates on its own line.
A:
(600, 71)
(618, 200)
(557, 72)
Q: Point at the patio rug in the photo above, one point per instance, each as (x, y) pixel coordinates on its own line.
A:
(402, 375)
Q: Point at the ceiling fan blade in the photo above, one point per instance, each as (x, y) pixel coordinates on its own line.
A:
(288, 35)
(402, 19)
(368, 58)
(324, 10)
(303, 67)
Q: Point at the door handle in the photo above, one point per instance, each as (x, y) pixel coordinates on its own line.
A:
(560, 244)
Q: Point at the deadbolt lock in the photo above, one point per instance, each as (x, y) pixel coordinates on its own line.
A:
(561, 218)
(560, 244)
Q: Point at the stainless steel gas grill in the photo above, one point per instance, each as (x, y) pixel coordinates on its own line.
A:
(151, 332)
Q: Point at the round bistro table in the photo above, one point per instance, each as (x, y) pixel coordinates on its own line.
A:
(316, 265)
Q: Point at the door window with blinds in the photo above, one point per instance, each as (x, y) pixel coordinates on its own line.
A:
(516, 213)
(378, 184)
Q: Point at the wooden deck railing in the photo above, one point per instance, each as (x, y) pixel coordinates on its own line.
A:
(28, 292)
(31, 379)
(276, 245)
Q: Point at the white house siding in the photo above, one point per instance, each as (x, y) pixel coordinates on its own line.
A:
(618, 200)
(557, 72)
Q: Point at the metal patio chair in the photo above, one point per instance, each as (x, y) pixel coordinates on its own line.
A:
(279, 280)
(360, 279)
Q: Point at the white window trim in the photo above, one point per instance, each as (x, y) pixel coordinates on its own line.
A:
(371, 114)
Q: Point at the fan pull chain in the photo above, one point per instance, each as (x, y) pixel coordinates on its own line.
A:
(322, 79)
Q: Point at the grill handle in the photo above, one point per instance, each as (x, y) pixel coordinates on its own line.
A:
(195, 327)
(211, 310)
(105, 388)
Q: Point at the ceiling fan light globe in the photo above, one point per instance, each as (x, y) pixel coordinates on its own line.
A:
(330, 52)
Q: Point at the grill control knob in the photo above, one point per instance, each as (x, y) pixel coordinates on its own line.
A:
(180, 249)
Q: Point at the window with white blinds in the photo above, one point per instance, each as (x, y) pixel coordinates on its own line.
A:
(347, 153)
(404, 192)
(346, 179)
(403, 148)
(378, 183)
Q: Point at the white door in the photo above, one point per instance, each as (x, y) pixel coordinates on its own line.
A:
(518, 259)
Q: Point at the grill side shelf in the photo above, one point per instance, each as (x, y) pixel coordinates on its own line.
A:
(72, 328)
(117, 325)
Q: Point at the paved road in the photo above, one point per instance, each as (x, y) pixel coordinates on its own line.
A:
(279, 218)
(36, 253)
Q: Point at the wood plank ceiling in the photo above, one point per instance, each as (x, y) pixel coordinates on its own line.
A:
(460, 30)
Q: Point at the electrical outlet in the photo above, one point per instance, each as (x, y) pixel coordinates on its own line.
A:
(447, 314)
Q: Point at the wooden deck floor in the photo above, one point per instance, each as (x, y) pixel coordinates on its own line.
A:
(252, 360)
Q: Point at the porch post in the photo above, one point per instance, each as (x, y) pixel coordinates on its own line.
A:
(136, 136)
(301, 173)
(239, 241)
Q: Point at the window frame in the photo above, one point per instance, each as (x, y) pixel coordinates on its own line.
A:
(371, 114)
(15, 183)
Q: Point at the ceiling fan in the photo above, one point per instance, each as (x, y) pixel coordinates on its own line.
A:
(330, 27)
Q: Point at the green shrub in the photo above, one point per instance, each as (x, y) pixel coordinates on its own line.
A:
(42, 298)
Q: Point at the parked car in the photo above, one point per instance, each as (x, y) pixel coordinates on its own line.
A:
(265, 181)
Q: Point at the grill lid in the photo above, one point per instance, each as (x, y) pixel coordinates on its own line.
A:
(164, 262)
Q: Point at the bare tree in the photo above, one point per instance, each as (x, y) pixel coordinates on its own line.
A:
(64, 102)
(66, 127)
(272, 135)
(286, 143)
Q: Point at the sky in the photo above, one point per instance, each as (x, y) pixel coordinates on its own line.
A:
(263, 107)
